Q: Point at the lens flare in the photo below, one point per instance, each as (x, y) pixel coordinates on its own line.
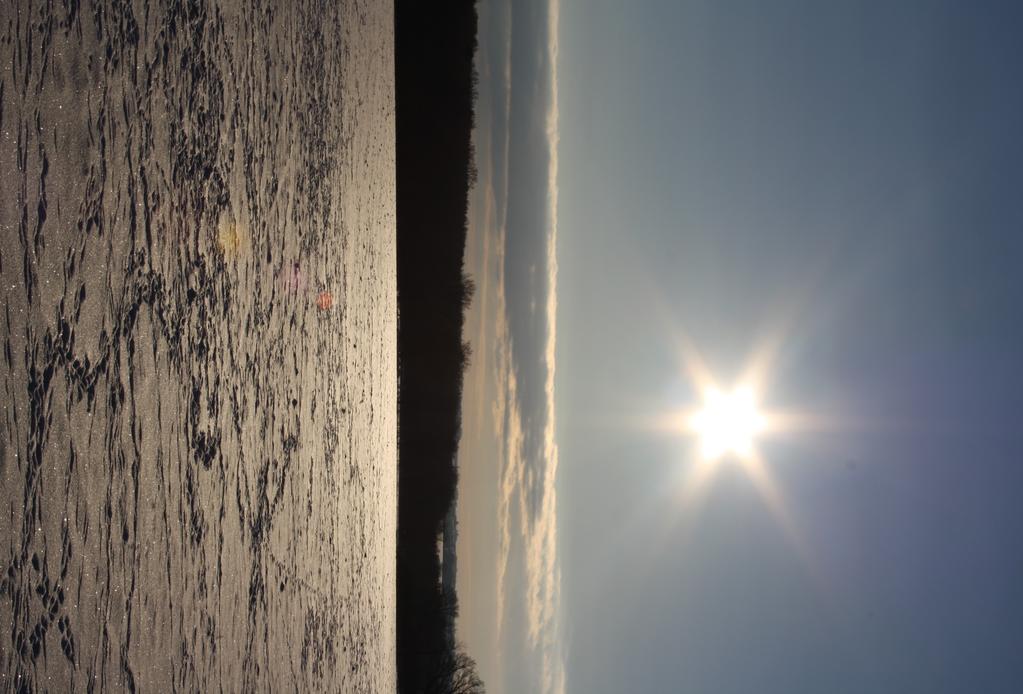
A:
(231, 238)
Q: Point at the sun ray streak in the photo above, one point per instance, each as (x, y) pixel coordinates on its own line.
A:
(756, 468)
(695, 482)
(692, 363)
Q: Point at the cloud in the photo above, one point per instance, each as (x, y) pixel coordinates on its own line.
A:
(543, 567)
(516, 338)
(527, 484)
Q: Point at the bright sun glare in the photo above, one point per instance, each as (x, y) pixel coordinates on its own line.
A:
(727, 423)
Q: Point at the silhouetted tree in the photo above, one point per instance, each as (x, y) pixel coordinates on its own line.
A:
(467, 289)
(474, 173)
(456, 673)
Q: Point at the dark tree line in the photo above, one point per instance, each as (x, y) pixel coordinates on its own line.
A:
(435, 93)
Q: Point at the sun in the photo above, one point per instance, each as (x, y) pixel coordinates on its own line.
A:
(728, 423)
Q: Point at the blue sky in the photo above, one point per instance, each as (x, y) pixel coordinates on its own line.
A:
(836, 181)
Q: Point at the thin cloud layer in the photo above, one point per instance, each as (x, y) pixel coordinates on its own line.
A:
(529, 473)
(518, 198)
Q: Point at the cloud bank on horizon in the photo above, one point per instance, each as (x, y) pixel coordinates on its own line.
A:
(518, 142)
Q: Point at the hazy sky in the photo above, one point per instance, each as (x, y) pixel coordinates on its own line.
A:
(838, 180)
(508, 578)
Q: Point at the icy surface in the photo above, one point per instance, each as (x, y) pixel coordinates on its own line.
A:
(197, 311)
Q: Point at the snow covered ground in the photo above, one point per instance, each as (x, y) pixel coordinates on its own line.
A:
(197, 309)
